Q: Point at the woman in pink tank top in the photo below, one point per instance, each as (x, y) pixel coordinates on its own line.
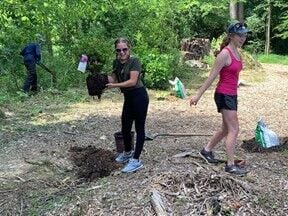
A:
(227, 66)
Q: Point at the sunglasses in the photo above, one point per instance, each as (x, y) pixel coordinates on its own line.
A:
(119, 50)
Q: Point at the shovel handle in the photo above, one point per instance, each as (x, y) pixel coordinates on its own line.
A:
(53, 74)
(181, 134)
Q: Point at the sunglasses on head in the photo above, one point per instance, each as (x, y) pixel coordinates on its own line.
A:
(238, 27)
(119, 50)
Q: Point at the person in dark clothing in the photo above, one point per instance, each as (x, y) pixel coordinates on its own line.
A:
(128, 77)
(31, 55)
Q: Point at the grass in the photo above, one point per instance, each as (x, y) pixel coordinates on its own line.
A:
(273, 59)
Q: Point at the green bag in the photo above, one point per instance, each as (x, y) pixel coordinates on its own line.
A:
(179, 88)
(265, 137)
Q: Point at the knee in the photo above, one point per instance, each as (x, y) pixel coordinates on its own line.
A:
(234, 130)
(223, 132)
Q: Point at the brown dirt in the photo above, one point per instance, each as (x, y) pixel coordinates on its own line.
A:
(93, 163)
(42, 166)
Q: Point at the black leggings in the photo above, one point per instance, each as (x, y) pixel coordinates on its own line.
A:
(134, 109)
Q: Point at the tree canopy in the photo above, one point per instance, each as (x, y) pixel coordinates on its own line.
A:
(155, 27)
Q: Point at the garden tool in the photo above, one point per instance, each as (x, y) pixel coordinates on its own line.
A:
(48, 70)
(152, 137)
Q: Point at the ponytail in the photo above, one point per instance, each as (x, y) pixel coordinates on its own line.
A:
(225, 42)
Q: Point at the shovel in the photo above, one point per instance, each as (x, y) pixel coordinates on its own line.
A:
(152, 137)
(53, 74)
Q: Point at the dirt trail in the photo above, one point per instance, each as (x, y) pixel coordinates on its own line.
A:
(118, 194)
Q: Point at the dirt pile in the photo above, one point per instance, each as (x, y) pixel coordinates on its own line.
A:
(92, 162)
(252, 146)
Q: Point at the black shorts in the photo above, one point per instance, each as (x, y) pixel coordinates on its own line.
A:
(223, 101)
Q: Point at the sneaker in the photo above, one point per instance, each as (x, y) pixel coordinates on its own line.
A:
(239, 163)
(236, 170)
(124, 157)
(208, 156)
(132, 166)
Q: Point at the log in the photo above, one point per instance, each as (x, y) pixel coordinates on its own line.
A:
(195, 48)
(158, 203)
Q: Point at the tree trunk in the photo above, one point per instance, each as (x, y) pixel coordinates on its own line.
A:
(233, 10)
(268, 27)
(236, 10)
(241, 12)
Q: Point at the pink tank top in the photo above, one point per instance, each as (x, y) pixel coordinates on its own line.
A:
(229, 76)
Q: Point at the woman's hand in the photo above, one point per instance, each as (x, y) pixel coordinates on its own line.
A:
(194, 100)
(111, 85)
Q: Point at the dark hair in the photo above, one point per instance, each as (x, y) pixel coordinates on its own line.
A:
(122, 40)
(225, 42)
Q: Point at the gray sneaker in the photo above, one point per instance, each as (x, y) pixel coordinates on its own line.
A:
(236, 170)
(132, 166)
(124, 157)
(208, 156)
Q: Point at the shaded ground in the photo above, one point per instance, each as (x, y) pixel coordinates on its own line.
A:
(252, 146)
(46, 154)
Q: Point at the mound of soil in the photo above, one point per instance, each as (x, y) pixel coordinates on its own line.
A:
(252, 146)
(93, 163)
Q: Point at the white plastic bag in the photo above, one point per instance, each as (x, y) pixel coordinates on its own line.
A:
(83, 63)
(179, 88)
(265, 137)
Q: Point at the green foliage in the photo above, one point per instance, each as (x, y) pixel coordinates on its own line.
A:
(190, 77)
(216, 42)
(157, 70)
(155, 27)
(256, 13)
(256, 42)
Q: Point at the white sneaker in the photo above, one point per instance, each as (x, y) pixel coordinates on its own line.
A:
(124, 157)
(133, 165)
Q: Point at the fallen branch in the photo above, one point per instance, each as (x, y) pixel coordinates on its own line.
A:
(157, 203)
(183, 154)
(243, 184)
(68, 132)
(34, 162)
(94, 188)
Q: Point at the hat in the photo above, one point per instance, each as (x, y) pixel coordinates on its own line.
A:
(238, 28)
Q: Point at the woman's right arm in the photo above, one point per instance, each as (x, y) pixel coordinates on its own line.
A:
(219, 63)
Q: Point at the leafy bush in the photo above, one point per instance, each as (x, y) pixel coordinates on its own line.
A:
(157, 69)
